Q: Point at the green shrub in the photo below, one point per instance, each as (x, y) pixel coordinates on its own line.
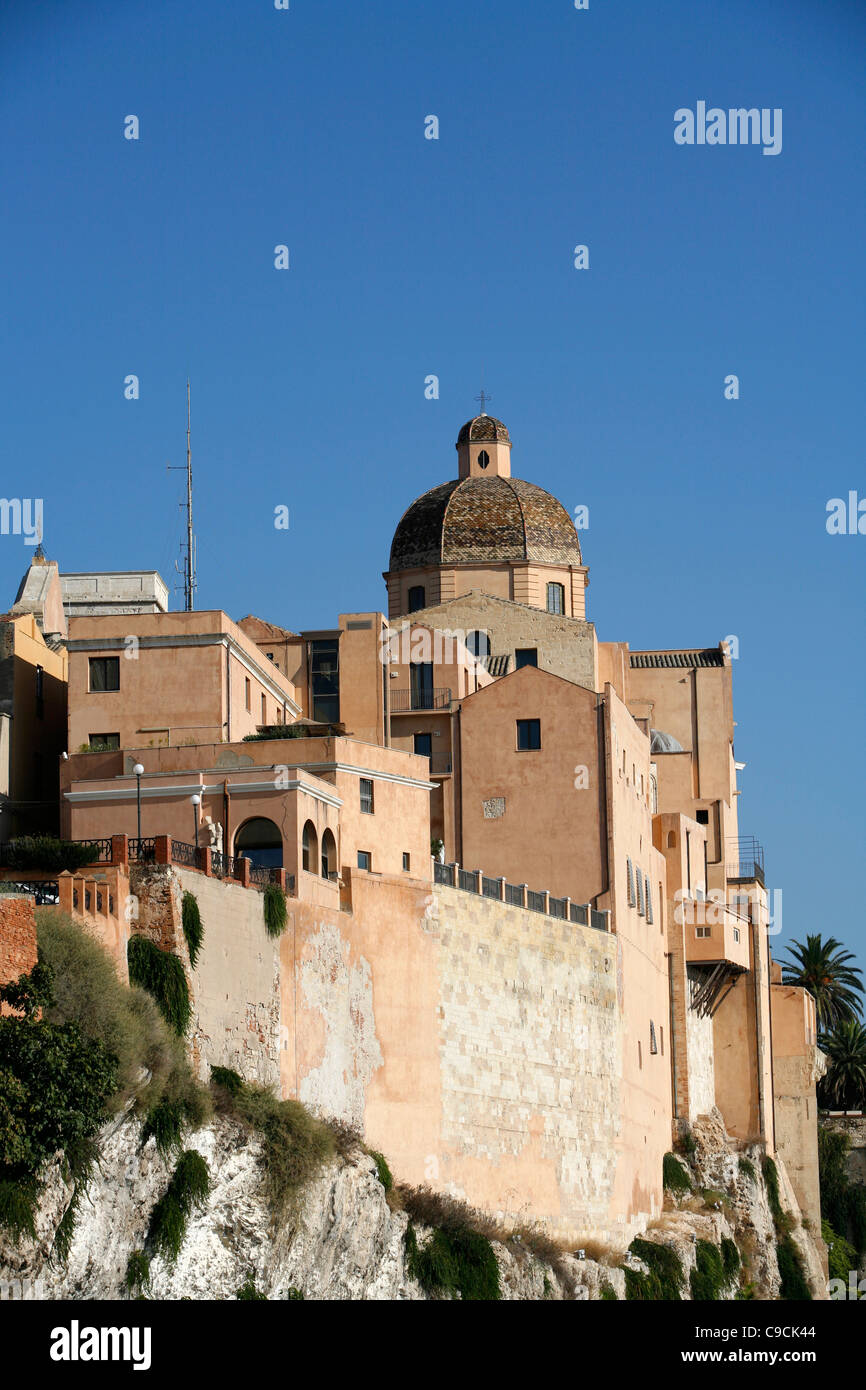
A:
(674, 1175)
(730, 1259)
(192, 926)
(294, 1143)
(386, 1177)
(608, 1293)
(781, 1219)
(841, 1255)
(248, 1291)
(793, 1286)
(46, 853)
(747, 1168)
(162, 975)
(746, 1294)
(137, 1277)
(187, 1190)
(87, 991)
(295, 1295)
(64, 1081)
(226, 1078)
(664, 1281)
(275, 911)
(18, 1202)
(458, 1261)
(708, 1278)
(843, 1202)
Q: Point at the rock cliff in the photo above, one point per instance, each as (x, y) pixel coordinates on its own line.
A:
(348, 1241)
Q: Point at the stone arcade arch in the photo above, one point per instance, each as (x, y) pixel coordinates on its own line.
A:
(260, 840)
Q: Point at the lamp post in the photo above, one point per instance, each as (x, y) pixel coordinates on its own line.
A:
(138, 770)
(196, 802)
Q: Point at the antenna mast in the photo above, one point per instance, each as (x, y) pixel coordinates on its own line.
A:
(190, 580)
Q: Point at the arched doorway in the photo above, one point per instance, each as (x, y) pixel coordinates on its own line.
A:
(310, 849)
(260, 840)
(329, 855)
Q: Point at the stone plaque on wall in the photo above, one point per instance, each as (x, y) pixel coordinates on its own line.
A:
(493, 807)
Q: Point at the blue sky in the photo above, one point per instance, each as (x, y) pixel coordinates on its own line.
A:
(455, 257)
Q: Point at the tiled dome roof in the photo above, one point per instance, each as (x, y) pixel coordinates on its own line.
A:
(484, 427)
(484, 520)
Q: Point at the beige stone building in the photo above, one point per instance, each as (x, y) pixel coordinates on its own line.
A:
(528, 942)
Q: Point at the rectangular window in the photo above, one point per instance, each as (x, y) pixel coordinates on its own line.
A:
(654, 1047)
(421, 683)
(528, 734)
(105, 673)
(423, 745)
(365, 859)
(405, 862)
(629, 876)
(662, 1040)
(525, 656)
(248, 699)
(264, 709)
(639, 887)
(324, 657)
(104, 742)
(555, 598)
(40, 693)
(649, 900)
(366, 795)
(703, 931)
(702, 817)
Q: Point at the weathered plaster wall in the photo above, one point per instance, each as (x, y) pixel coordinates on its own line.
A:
(701, 1067)
(235, 987)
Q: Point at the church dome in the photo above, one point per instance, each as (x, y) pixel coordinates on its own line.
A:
(483, 427)
(478, 520)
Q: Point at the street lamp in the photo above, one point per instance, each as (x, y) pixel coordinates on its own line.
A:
(196, 802)
(138, 770)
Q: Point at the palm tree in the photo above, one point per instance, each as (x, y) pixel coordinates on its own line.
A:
(821, 967)
(845, 1083)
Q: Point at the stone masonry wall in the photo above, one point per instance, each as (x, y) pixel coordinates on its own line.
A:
(17, 939)
(530, 1060)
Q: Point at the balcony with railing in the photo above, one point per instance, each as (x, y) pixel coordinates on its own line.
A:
(424, 697)
(744, 859)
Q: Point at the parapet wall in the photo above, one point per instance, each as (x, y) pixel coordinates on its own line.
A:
(17, 939)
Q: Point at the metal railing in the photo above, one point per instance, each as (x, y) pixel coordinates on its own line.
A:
(142, 851)
(428, 697)
(45, 891)
(101, 851)
(563, 909)
(440, 764)
(744, 858)
(187, 855)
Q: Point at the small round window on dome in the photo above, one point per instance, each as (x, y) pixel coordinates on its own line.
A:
(483, 459)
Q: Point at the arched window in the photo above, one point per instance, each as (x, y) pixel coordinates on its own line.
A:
(556, 598)
(654, 794)
(261, 842)
(329, 855)
(310, 848)
(478, 643)
(672, 839)
(417, 598)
